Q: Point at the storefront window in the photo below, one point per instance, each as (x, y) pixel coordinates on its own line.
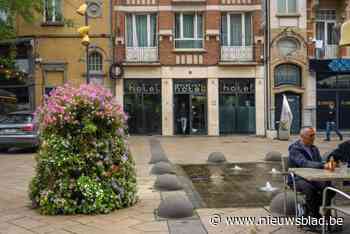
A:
(237, 106)
(333, 81)
(343, 81)
(143, 105)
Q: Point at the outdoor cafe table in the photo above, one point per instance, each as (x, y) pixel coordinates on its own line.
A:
(313, 174)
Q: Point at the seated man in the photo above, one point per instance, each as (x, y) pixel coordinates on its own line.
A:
(303, 153)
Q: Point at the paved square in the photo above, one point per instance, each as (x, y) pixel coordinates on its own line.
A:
(17, 168)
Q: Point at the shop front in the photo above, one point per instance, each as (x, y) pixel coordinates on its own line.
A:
(333, 87)
(16, 82)
(143, 105)
(237, 106)
(190, 106)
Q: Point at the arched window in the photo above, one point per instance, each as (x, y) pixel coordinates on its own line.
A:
(95, 62)
(287, 74)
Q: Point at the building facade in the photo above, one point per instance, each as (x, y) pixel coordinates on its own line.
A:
(328, 63)
(191, 67)
(54, 54)
(288, 64)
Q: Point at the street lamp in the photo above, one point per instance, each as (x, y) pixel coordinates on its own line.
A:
(345, 34)
(84, 33)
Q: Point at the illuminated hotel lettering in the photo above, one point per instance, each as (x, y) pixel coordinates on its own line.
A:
(142, 87)
(232, 86)
(190, 87)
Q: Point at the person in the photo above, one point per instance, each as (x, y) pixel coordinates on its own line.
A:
(183, 117)
(303, 153)
(331, 123)
(342, 152)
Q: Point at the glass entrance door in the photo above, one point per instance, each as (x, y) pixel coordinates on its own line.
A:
(190, 107)
(190, 114)
(198, 114)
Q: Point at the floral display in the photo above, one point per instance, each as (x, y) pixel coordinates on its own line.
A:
(84, 164)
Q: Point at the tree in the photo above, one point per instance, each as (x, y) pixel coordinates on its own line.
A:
(11, 9)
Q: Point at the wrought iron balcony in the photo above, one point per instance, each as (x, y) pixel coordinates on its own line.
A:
(142, 54)
(237, 53)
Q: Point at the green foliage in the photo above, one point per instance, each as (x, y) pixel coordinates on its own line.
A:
(13, 8)
(84, 164)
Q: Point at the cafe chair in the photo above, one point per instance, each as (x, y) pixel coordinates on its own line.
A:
(324, 208)
(298, 197)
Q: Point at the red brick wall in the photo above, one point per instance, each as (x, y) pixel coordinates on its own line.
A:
(167, 56)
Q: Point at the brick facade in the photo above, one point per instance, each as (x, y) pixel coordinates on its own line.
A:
(211, 18)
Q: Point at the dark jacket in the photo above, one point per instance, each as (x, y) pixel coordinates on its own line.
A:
(332, 115)
(299, 157)
(342, 152)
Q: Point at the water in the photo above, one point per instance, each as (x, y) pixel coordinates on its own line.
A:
(221, 186)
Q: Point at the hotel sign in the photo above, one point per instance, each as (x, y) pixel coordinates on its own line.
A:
(194, 87)
(142, 86)
(237, 86)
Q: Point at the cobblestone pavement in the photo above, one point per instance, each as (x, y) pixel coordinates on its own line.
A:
(17, 168)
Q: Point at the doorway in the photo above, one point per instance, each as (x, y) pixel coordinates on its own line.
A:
(294, 101)
(190, 107)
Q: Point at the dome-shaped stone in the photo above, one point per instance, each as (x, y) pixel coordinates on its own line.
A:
(158, 158)
(216, 157)
(277, 204)
(161, 168)
(175, 206)
(273, 156)
(167, 182)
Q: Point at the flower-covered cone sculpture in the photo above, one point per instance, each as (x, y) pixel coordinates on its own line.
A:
(84, 164)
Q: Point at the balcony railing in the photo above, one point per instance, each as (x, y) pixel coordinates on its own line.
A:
(237, 53)
(141, 54)
(328, 52)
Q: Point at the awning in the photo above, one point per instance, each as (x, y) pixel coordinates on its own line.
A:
(330, 65)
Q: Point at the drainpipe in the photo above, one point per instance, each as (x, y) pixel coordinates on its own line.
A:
(112, 41)
(267, 66)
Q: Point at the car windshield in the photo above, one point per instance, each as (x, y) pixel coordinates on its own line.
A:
(17, 119)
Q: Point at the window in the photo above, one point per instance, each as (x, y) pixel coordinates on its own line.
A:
(52, 11)
(287, 6)
(188, 30)
(95, 62)
(141, 30)
(236, 29)
(287, 74)
(326, 30)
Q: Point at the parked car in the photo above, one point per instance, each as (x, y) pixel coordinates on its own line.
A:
(18, 129)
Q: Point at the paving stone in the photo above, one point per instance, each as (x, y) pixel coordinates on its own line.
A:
(13, 229)
(186, 227)
(156, 226)
(27, 223)
(83, 229)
